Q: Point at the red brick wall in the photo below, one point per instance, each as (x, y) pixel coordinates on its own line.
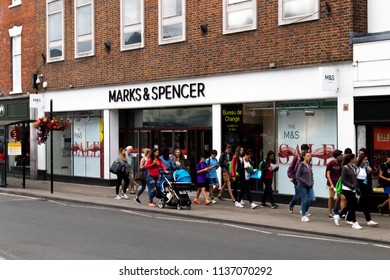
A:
(322, 41)
(23, 15)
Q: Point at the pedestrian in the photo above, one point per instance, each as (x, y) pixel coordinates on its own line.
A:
(349, 181)
(224, 162)
(167, 161)
(234, 171)
(384, 176)
(245, 178)
(133, 185)
(305, 180)
(142, 168)
(212, 178)
(153, 165)
(363, 171)
(332, 174)
(268, 167)
(201, 180)
(179, 160)
(121, 175)
(291, 173)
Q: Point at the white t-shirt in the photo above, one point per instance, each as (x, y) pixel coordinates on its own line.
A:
(247, 174)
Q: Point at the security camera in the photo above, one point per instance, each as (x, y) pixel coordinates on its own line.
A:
(44, 84)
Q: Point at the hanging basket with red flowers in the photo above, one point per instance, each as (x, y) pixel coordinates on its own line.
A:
(44, 125)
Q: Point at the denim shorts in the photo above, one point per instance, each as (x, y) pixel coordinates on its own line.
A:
(212, 181)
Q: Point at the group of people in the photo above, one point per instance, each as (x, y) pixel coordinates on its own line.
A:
(351, 173)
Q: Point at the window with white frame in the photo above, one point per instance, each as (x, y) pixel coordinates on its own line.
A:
(132, 24)
(16, 36)
(172, 21)
(55, 30)
(15, 3)
(293, 11)
(84, 28)
(239, 15)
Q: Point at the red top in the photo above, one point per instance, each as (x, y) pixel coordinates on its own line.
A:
(154, 167)
(235, 161)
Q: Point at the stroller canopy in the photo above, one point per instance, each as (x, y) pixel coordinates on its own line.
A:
(182, 175)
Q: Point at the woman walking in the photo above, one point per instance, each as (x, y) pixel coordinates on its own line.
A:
(235, 165)
(121, 175)
(384, 175)
(153, 164)
(362, 179)
(349, 181)
(245, 176)
(305, 184)
(142, 168)
(268, 167)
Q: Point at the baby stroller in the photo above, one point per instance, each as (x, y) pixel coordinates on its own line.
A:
(174, 193)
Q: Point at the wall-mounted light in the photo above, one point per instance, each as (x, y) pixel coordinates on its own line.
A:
(107, 45)
(38, 79)
(328, 9)
(204, 28)
(310, 113)
(272, 65)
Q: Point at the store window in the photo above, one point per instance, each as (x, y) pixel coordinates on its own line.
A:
(132, 22)
(78, 149)
(55, 30)
(172, 21)
(239, 15)
(293, 11)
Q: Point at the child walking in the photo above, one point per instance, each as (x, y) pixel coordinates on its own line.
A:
(201, 170)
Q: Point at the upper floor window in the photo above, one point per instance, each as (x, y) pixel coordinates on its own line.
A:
(15, 3)
(172, 21)
(84, 28)
(292, 11)
(16, 36)
(55, 30)
(132, 24)
(239, 15)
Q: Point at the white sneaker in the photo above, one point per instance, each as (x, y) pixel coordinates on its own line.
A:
(253, 206)
(242, 202)
(117, 197)
(372, 223)
(305, 219)
(336, 219)
(238, 204)
(349, 222)
(356, 225)
(124, 196)
(307, 213)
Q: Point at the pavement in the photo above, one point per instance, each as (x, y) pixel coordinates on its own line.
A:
(224, 211)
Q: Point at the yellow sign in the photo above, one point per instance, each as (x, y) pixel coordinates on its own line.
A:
(14, 149)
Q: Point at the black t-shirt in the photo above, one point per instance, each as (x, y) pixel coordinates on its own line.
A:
(385, 167)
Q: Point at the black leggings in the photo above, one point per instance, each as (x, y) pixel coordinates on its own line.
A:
(268, 193)
(364, 199)
(245, 189)
(350, 209)
(119, 177)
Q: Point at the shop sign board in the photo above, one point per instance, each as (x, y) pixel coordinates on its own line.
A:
(329, 80)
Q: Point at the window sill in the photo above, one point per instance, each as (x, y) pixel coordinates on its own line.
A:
(15, 92)
(15, 4)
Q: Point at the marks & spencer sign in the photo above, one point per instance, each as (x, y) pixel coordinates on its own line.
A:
(156, 93)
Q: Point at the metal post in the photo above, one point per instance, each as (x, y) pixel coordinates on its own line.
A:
(51, 149)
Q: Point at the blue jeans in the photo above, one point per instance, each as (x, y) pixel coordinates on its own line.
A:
(152, 183)
(296, 196)
(307, 199)
(141, 189)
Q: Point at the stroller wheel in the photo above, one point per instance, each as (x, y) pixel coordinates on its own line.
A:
(161, 203)
(189, 207)
(179, 206)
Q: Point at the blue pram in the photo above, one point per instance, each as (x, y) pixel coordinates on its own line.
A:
(174, 192)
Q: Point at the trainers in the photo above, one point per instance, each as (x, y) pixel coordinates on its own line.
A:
(380, 209)
(208, 202)
(253, 205)
(307, 213)
(242, 202)
(371, 223)
(349, 222)
(213, 201)
(117, 197)
(124, 196)
(196, 201)
(221, 198)
(136, 199)
(152, 204)
(290, 209)
(356, 225)
(336, 219)
(305, 219)
(274, 206)
(238, 205)
(263, 205)
(330, 216)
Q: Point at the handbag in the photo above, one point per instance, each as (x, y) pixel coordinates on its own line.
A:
(339, 186)
(140, 176)
(116, 167)
(256, 174)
